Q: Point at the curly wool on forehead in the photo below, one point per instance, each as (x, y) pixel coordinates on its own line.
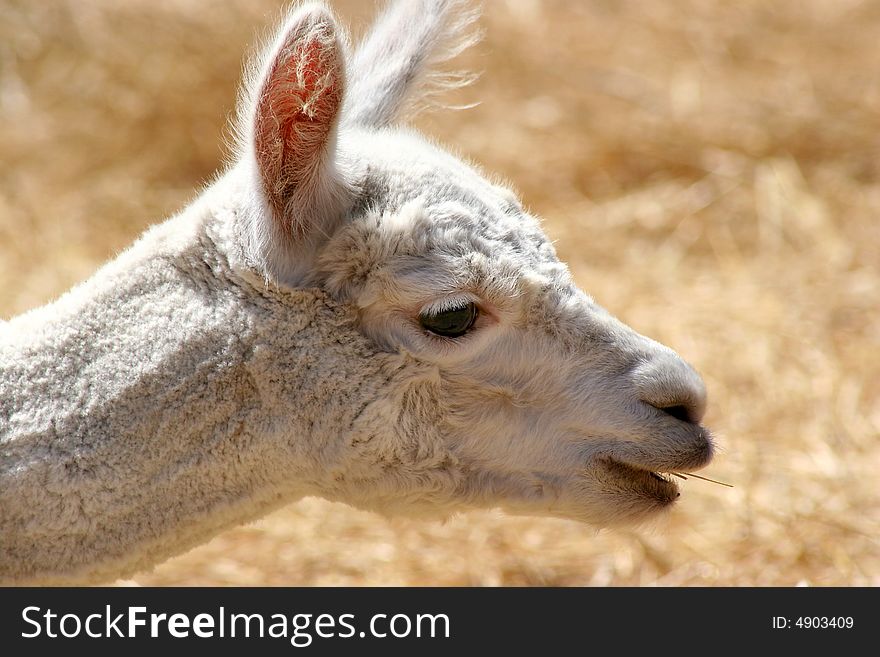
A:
(407, 186)
(443, 247)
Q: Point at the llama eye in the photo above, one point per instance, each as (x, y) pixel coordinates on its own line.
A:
(451, 323)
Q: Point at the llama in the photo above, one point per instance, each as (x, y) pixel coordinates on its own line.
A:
(347, 311)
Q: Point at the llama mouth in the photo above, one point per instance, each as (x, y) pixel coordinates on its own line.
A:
(656, 485)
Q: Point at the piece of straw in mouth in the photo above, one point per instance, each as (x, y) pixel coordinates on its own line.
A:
(691, 474)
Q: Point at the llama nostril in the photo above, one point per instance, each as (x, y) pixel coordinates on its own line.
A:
(667, 383)
(679, 412)
(685, 408)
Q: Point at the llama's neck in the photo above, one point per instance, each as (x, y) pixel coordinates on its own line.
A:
(145, 410)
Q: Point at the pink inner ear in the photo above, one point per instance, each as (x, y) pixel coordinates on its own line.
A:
(295, 114)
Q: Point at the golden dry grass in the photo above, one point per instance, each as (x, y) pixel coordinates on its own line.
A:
(708, 168)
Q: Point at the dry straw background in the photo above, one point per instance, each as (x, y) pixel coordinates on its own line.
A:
(709, 168)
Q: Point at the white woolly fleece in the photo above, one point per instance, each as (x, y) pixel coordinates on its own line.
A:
(168, 393)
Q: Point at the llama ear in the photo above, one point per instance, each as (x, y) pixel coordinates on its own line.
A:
(398, 66)
(294, 107)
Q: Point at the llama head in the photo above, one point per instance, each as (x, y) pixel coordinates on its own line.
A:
(514, 388)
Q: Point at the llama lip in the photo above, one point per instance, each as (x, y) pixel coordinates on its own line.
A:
(656, 485)
(692, 448)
